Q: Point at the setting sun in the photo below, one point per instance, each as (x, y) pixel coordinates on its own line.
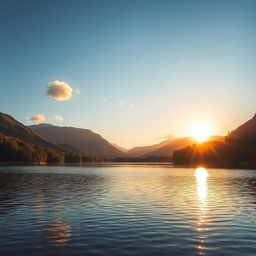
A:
(200, 132)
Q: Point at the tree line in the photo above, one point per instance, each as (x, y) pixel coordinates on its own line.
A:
(15, 150)
(233, 151)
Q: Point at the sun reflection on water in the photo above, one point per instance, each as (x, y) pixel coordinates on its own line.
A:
(201, 175)
(201, 179)
(58, 232)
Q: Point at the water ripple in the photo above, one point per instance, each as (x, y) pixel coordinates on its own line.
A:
(127, 210)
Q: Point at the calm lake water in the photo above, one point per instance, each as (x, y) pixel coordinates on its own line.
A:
(127, 210)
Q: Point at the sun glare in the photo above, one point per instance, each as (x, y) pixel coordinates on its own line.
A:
(200, 132)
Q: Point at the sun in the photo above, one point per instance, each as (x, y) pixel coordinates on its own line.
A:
(200, 132)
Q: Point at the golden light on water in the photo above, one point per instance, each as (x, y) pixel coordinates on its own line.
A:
(201, 175)
(58, 232)
(201, 178)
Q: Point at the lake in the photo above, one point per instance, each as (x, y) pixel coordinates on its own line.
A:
(127, 209)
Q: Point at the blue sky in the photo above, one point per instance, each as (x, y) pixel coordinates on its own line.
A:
(144, 69)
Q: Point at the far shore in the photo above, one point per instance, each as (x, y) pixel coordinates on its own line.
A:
(249, 166)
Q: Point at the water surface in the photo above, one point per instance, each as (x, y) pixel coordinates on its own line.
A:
(126, 209)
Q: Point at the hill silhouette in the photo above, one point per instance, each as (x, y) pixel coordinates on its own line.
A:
(124, 150)
(143, 150)
(11, 127)
(246, 129)
(167, 148)
(16, 150)
(84, 140)
(164, 148)
(238, 149)
(19, 144)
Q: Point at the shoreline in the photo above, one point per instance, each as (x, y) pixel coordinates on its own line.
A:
(113, 163)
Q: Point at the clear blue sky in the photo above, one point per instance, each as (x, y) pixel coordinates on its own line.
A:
(145, 69)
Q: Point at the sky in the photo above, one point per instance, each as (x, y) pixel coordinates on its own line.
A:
(133, 71)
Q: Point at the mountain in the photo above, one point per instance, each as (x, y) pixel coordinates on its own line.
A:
(169, 147)
(238, 149)
(246, 129)
(120, 148)
(235, 152)
(211, 152)
(84, 140)
(164, 148)
(69, 148)
(144, 150)
(11, 127)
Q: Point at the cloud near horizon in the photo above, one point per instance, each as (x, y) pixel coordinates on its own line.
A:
(77, 91)
(58, 118)
(127, 104)
(37, 118)
(59, 90)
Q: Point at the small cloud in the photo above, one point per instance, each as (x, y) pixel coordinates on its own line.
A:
(122, 104)
(127, 104)
(132, 105)
(77, 91)
(58, 118)
(59, 90)
(105, 99)
(37, 118)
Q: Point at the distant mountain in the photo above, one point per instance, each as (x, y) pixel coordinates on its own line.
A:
(164, 148)
(238, 149)
(84, 140)
(120, 148)
(144, 150)
(168, 148)
(246, 129)
(11, 127)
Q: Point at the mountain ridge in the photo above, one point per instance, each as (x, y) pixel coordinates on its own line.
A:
(164, 148)
(11, 127)
(83, 139)
(237, 149)
(246, 129)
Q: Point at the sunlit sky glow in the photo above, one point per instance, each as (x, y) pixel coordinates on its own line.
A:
(200, 130)
(139, 70)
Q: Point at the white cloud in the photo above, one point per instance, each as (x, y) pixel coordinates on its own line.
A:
(58, 118)
(59, 90)
(37, 118)
(132, 105)
(127, 104)
(77, 91)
